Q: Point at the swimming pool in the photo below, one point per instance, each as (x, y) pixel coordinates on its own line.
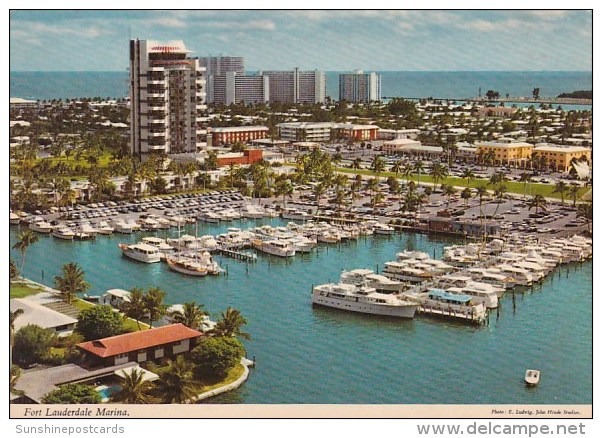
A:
(107, 391)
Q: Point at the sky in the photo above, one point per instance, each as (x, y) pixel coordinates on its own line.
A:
(329, 40)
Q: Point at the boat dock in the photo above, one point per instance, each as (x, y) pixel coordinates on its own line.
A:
(238, 255)
(449, 312)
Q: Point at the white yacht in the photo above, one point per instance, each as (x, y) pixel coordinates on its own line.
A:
(383, 229)
(280, 248)
(123, 227)
(251, 211)
(367, 276)
(520, 275)
(494, 277)
(463, 285)
(296, 215)
(362, 299)
(64, 233)
(209, 217)
(39, 225)
(402, 272)
(442, 303)
(537, 270)
(141, 252)
(104, 228)
(14, 218)
(158, 243)
(188, 266)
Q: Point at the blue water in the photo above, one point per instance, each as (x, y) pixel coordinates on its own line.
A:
(316, 355)
(107, 392)
(457, 85)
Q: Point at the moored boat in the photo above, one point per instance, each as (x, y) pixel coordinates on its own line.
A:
(362, 299)
(141, 252)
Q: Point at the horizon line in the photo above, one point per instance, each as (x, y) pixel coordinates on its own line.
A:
(333, 71)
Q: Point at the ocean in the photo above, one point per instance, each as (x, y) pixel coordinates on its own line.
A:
(411, 84)
(320, 355)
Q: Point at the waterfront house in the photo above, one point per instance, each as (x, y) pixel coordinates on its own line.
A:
(36, 313)
(152, 344)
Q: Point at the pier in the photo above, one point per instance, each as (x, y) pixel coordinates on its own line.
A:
(238, 255)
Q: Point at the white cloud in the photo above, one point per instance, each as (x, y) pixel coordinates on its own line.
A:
(548, 15)
(268, 25)
(166, 22)
(39, 29)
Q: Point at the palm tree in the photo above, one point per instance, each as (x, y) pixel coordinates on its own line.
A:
(537, 201)
(24, 240)
(153, 303)
(176, 382)
(449, 191)
(318, 190)
(481, 193)
(407, 172)
(136, 307)
(284, 188)
(397, 166)
(468, 174)
(418, 168)
(378, 165)
(561, 188)
(573, 192)
(525, 178)
(230, 324)
(15, 374)
(438, 172)
(191, 315)
(13, 316)
(466, 194)
(134, 389)
(71, 283)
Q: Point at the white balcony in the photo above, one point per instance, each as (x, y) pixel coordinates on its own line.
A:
(201, 107)
(156, 94)
(156, 82)
(156, 147)
(156, 134)
(156, 120)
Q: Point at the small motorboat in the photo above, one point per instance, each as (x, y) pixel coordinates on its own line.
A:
(532, 377)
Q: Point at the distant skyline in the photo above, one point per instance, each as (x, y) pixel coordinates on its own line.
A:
(334, 40)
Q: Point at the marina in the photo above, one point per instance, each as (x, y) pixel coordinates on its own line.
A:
(285, 327)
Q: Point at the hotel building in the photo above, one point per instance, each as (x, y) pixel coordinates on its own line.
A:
(296, 86)
(167, 95)
(516, 153)
(216, 69)
(360, 87)
(236, 134)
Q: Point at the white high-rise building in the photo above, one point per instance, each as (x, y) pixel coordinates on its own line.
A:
(297, 86)
(360, 87)
(167, 95)
(217, 68)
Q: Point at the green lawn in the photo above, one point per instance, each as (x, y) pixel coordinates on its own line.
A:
(513, 186)
(22, 290)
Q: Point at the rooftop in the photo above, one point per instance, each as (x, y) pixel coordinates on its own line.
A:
(35, 313)
(128, 342)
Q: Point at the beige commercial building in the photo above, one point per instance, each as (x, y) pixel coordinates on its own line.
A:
(559, 156)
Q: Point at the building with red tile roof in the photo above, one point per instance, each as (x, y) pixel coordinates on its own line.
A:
(156, 343)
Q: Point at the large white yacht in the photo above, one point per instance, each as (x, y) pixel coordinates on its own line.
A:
(367, 276)
(362, 299)
(141, 252)
(280, 248)
(464, 285)
(64, 233)
(400, 271)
